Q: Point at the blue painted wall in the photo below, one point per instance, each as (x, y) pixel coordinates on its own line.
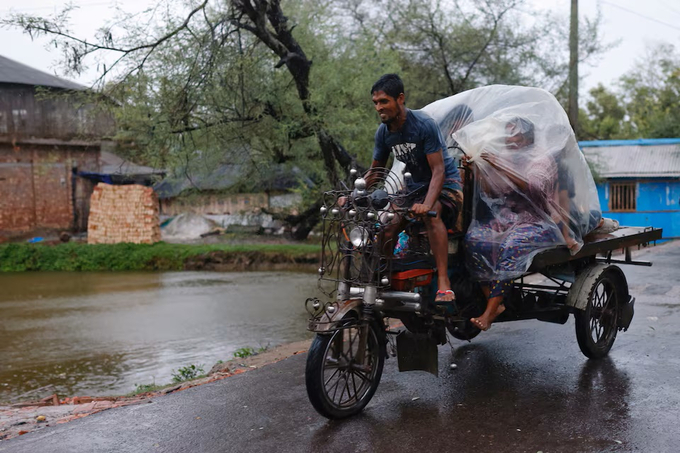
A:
(658, 205)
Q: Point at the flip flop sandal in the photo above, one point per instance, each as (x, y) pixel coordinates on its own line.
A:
(444, 294)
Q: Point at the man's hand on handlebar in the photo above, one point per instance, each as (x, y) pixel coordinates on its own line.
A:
(420, 209)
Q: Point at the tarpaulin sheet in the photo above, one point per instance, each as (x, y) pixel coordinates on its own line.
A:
(533, 189)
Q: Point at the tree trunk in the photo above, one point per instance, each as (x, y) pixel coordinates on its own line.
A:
(268, 23)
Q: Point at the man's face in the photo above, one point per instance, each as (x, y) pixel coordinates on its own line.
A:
(388, 108)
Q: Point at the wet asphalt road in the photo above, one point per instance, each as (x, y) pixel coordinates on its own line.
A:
(522, 386)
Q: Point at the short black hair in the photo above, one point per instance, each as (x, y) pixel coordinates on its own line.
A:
(391, 84)
(526, 128)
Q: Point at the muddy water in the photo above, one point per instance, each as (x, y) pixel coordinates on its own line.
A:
(103, 333)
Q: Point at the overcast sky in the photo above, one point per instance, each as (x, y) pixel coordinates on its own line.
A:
(633, 22)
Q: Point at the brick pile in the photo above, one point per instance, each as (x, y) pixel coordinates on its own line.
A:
(123, 214)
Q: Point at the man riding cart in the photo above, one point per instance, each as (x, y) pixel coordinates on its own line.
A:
(530, 206)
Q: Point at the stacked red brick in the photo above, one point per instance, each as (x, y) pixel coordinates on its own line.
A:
(123, 214)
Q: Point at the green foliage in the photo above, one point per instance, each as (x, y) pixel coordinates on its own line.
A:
(126, 257)
(144, 388)
(187, 373)
(246, 351)
(604, 118)
(651, 91)
(645, 104)
(212, 93)
(444, 48)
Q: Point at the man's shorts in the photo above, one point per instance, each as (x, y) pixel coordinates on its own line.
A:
(451, 199)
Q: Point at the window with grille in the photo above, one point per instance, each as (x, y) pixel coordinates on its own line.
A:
(622, 196)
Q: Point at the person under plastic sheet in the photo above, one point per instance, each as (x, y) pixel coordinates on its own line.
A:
(434, 184)
(519, 188)
(460, 116)
(575, 219)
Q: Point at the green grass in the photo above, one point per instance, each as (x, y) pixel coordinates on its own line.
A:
(133, 257)
(247, 351)
(187, 373)
(144, 388)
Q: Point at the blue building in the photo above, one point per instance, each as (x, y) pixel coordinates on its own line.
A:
(639, 181)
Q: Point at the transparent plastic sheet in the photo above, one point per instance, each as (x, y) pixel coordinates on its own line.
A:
(533, 188)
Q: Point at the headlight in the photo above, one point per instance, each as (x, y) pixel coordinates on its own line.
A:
(358, 236)
(379, 199)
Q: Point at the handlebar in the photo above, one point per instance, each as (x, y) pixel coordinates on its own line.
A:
(409, 211)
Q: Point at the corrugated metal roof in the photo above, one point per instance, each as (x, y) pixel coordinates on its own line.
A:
(637, 141)
(112, 164)
(14, 72)
(224, 177)
(649, 161)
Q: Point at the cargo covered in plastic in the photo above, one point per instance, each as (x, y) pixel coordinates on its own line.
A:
(533, 189)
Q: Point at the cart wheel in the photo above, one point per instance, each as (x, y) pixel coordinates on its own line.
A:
(596, 325)
(341, 374)
(467, 333)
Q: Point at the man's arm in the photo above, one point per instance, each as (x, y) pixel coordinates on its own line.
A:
(371, 176)
(508, 172)
(436, 162)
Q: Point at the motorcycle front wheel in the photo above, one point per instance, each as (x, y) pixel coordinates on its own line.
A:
(344, 367)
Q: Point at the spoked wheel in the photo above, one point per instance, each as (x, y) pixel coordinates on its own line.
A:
(344, 368)
(596, 326)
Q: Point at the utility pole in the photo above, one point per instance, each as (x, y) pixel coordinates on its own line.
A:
(573, 67)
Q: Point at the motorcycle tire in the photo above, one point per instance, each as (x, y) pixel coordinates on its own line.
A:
(337, 386)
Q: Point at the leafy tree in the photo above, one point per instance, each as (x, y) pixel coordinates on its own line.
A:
(651, 92)
(604, 116)
(645, 103)
(242, 82)
(448, 47)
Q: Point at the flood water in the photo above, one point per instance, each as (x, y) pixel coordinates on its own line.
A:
(103, 333)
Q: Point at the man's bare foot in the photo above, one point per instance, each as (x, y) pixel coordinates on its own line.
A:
(446, 295)
(484, 322)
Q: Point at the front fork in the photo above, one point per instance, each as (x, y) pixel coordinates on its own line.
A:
(366, 320)
(366, 314)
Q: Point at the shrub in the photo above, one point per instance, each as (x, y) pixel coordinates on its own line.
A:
(244, 352)
(188, 373)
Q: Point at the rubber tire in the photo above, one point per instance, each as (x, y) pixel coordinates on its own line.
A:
(469, 332)
(314, 377)
(609, 276)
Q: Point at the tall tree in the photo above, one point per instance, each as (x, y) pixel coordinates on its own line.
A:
(604, 116)
(264, 81)
(644, 103)
(448, 47)
(651, 92)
